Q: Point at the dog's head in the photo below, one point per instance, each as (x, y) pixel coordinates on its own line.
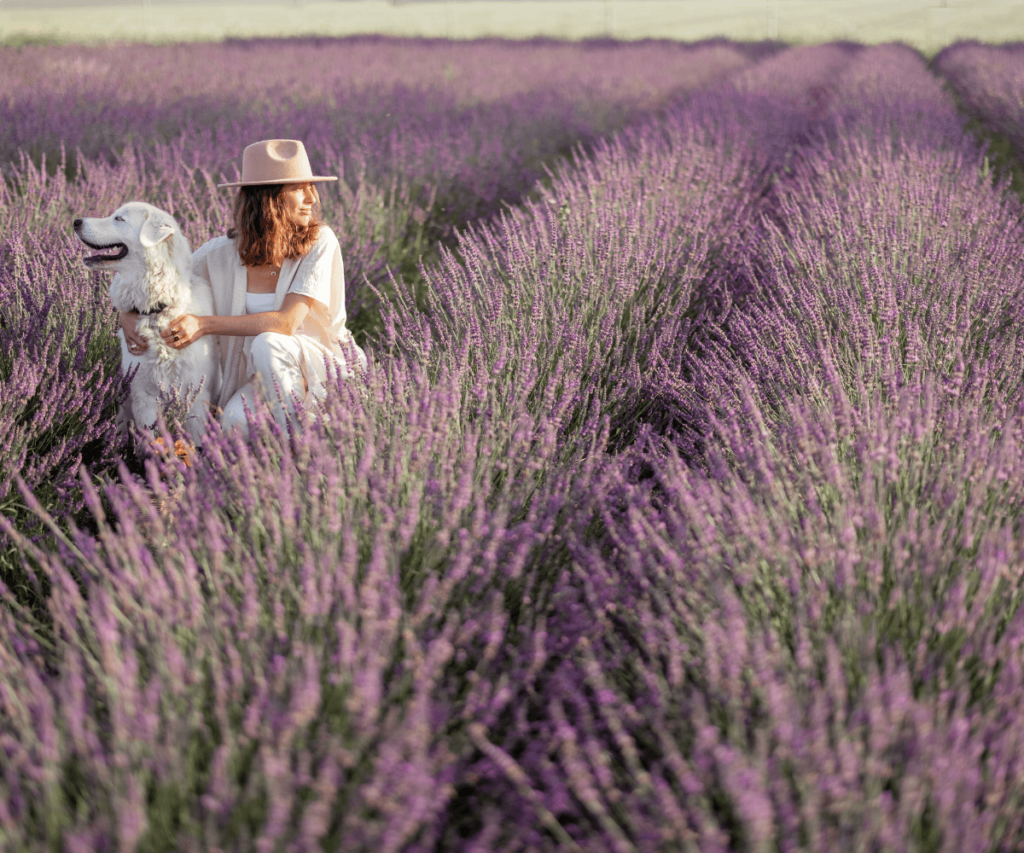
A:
(143, 245)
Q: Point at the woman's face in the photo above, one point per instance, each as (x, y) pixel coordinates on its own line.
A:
(299, 200)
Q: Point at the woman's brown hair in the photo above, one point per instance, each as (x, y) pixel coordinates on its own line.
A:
(264, 235)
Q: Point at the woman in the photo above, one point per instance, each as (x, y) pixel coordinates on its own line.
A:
(278, 289)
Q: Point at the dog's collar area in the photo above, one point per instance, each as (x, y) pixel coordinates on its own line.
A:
(156, 310)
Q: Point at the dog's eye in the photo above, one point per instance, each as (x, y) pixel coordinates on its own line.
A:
(118, 219)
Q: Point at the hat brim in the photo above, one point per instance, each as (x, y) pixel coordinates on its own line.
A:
(313, 179)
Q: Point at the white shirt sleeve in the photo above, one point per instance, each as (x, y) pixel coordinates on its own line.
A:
(313, 277)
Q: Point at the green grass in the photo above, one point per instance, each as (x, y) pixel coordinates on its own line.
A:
(31, 39)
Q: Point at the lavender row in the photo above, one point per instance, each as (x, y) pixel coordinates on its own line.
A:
(989, 80)
(875, 249)
(78, 97)
(300, 668)
(622, 256)
(348, 657)
(812, 638)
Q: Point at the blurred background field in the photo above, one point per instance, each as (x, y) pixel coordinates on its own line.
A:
(926, 24)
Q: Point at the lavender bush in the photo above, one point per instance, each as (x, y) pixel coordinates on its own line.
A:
(804, 654)
(989, 81)
(60, 386)
(683, 512)
(343, 627)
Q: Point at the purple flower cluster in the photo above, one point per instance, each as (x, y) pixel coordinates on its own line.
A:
(60, 382)
(679, 509)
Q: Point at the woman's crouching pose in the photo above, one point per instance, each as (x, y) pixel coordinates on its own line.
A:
(278, 288)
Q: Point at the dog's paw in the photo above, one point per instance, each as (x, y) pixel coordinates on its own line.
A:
(182, 450)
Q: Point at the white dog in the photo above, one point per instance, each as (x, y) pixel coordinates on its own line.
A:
(151, 258)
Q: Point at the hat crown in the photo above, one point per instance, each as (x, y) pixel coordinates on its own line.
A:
(278, 160)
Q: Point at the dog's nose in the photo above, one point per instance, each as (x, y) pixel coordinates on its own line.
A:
(78, 224)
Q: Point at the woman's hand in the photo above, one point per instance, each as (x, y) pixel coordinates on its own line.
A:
(136, 343)
(182, 331)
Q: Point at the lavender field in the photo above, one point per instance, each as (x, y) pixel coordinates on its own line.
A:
(680, 507)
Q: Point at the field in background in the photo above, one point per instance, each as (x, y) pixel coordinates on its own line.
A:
(925, 24)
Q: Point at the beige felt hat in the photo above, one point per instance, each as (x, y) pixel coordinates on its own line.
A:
(275, 161)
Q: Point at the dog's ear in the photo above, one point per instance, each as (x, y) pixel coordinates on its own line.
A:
(157, 228)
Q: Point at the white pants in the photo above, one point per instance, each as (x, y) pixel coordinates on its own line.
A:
(273, 358)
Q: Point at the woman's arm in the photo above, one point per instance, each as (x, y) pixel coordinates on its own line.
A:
(190, 328)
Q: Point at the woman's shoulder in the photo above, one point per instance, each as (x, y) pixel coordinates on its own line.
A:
(327, 237)
(218, 254)
(219, 247)
(215, 246)
(325, 246)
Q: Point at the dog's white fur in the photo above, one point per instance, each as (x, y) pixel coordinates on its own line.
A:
(152, 268)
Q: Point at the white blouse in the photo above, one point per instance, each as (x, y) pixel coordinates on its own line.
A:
(319, 274)
(257, 303)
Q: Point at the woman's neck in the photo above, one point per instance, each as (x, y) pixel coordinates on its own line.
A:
(262, 279)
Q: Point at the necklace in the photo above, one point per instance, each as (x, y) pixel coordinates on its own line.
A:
(262, 268)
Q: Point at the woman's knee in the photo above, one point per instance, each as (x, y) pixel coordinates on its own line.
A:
(275, 360)
(268, 347)
(234, 418)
